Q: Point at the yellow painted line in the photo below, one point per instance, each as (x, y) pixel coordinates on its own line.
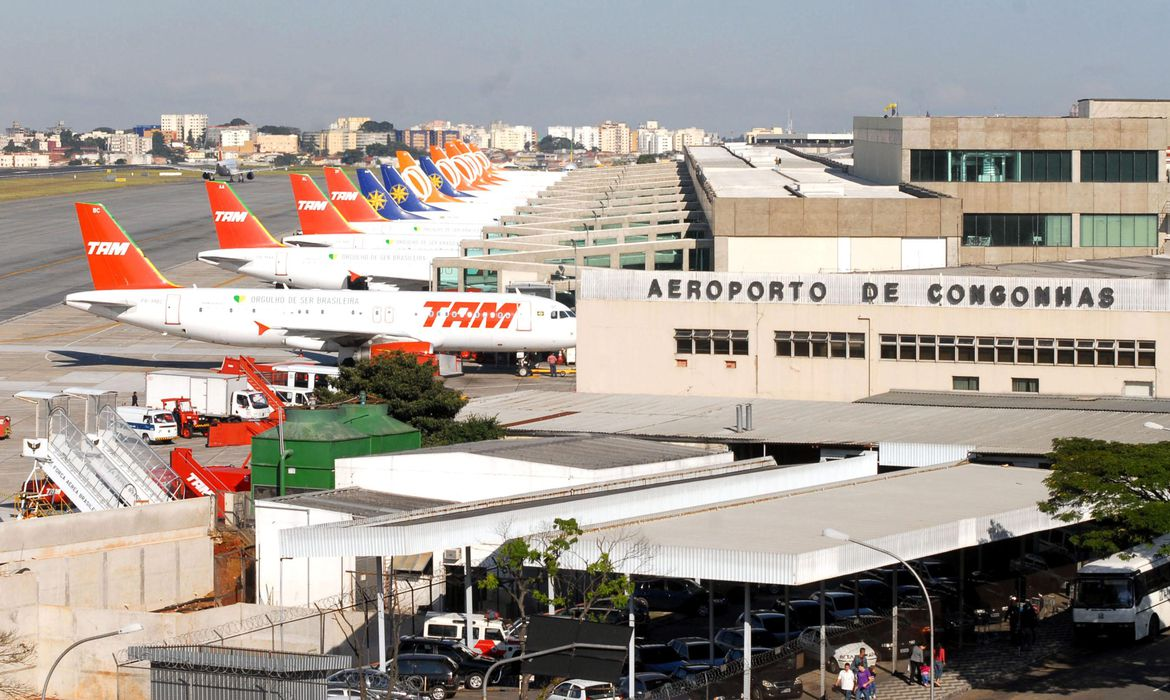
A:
(226, 282)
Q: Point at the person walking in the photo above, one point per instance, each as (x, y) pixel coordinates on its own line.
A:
(1029, 619)
(134, 398)
(846, 683)
(859, 661)
(940, 665)
(866, 683)
(914, 672)
(552, 364)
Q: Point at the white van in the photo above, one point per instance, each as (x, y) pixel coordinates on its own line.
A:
(485, 634)
(296, 397)
(152, 424)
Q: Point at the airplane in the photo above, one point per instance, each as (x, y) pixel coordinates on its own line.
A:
(128, 288)
(228, 168)
(352, 261)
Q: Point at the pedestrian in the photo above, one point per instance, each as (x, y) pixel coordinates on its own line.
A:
(865, 683)
(1029, 619)
(914, 671)
(134, 398)
(859, 661)
(846, 683)
(940, 664)
(552, 364)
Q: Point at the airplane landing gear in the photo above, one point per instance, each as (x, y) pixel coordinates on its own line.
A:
(523, 366)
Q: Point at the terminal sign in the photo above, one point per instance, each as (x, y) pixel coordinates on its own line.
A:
(853, 290)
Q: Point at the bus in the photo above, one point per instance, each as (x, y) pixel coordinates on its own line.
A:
(1126, 595)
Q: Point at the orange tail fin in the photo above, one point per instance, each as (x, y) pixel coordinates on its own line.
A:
(348, 200)
(316, 213)
(235, 225)
(115, 261)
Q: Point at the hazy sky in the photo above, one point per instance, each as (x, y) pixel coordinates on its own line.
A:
(725, 66)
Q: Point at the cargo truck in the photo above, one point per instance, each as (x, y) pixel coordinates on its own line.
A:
(212, 395)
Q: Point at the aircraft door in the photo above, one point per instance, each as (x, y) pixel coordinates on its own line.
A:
(282, 262)
(524, 316)
(172, 313)
(377, 314)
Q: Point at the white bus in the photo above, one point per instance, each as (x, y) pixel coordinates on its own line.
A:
(1126, 595)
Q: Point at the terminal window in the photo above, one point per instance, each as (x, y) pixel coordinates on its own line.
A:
(706, 341)
(990, 166)
(1070, 352)
(1119, 166)
(1022, 230)
(820, 344)
(1026, 385)
(1119, 230)
(965, 383)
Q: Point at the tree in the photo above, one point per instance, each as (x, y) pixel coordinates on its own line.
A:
(1124, 488)
(415, 396)
(238, 121)
(13, 653)
(376, 126)
(647, 158)
(549, 144)
(379, 150)
(158, 145)
(279, 130)
(353, 155)
(13, 148)
(285, 160)
(120, 161)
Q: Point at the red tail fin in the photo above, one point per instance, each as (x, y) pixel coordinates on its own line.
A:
(235, 225)
(115, 261)
(317, 214)
(348, 200)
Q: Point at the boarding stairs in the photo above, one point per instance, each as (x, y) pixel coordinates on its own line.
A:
(69, 463)
(240, 433)
(153, 478)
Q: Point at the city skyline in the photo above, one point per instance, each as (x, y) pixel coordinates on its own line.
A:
(747, 66)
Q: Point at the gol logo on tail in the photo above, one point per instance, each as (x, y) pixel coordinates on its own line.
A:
(108, 248)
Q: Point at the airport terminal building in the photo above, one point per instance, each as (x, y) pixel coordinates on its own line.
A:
(1073, 328)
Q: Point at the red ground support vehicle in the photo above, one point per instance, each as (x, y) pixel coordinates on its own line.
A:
(5, 427)
(187, 419)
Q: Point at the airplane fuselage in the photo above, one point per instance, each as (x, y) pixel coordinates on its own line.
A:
(340, 321)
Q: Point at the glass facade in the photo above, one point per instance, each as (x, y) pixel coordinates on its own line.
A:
(1119, 166)
(990, 166)
(1119, 230)
(1080, 352)
(1017, 230)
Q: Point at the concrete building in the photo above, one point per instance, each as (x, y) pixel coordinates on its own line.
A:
(1035, 189)
(561, 132)
(472, 134)
(507, 137)
(614, 137)
(588, 136)
(692, 136)
(277, 143)
(184, 125)
(24, 160)
(1088, 328)
(810, 142)
(127, 142)
(655, 140)
(342, 134)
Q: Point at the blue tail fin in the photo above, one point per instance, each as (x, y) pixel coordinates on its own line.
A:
(380, 199)
(442, 182)
(401, 193)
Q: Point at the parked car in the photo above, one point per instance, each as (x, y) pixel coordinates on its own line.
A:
(486, 634)
(776, 678)
(842, 604)
(578, 689)
(347, 684)
(643, 683)
(659, 658)
(730, 638)
(840, 653)
(641, 608)
(675, 595)
(803, 614)
(873, 593)
(696, 650)
(432, 674)
(774, 623)
(470, 666)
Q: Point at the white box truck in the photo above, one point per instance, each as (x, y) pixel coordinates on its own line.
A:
(217, 396)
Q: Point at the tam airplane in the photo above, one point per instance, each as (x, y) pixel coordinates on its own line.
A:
(129, 289)
(352, 261)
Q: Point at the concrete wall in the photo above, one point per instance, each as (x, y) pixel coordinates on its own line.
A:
(610, 328)
(141, 558)
(842, 254)
(296, 581)
(470, 477)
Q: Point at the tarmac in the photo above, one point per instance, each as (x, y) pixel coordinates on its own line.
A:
(45, 345)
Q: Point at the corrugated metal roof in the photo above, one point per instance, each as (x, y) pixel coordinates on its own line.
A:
(968, 399)
(915, 513)
(579, 451)
(1024, 431)
(359, 502)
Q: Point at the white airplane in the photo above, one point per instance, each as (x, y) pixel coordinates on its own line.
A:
(352, 261)
(129, 289)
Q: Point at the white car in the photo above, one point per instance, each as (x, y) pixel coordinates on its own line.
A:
(840, 654)
(578, 689)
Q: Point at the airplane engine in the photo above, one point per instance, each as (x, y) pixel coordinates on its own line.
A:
(207, 176)
(372, 350)
(251, 175)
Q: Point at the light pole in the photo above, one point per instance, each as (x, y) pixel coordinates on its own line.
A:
(838, 535)
(132, 627)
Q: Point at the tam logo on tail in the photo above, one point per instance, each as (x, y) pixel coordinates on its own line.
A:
(231, 217)
(107, 248)
(343, 196)
(303, 205)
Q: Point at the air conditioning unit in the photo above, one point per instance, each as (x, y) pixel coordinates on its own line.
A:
(452, 556)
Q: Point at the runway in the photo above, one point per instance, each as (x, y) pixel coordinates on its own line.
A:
(42, 244)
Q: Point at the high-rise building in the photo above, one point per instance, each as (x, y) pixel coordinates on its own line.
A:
(507, 137)
(561, 132)
(184, 125)
(588, 136)
(691, 136)
(614, 137)
(342, 134)
(472, 134)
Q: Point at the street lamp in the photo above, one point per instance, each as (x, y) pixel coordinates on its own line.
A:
(838, 535)
(132, 627)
